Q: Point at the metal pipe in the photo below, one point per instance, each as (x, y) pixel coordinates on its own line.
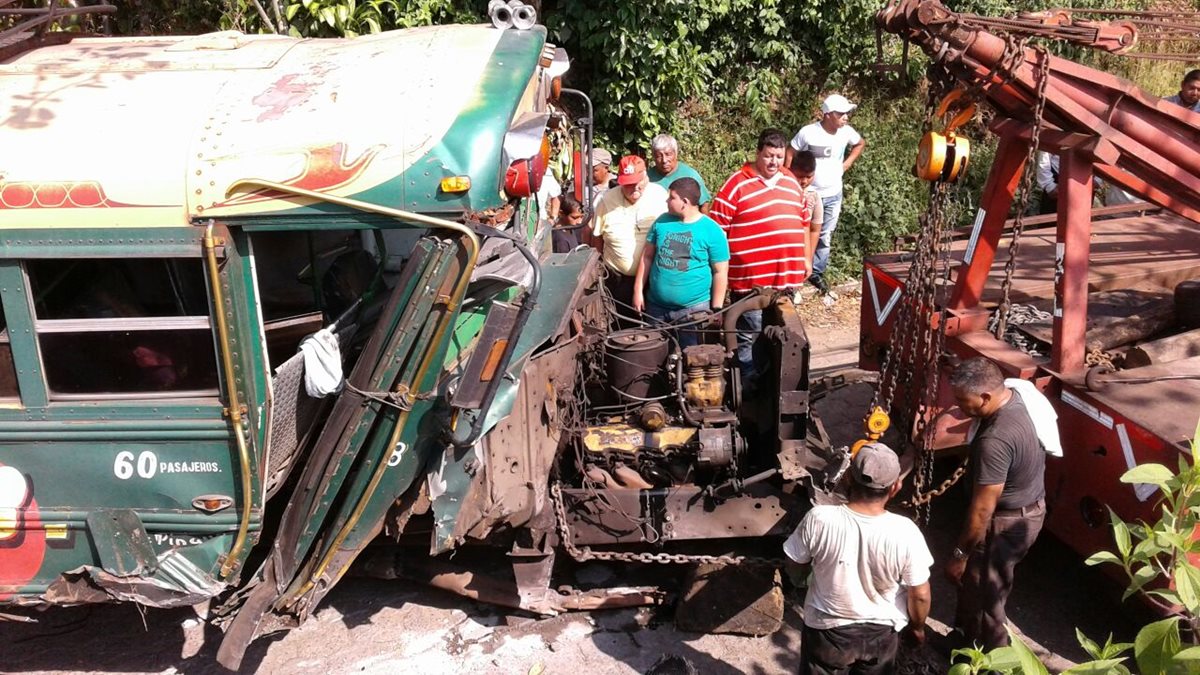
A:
(683, 406)
(471, 244)
(235, 404)
(589, 186)
(759, 298)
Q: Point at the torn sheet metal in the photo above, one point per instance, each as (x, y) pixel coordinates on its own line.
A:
(177, 582)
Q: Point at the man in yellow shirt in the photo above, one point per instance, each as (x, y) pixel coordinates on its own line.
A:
(623, 218)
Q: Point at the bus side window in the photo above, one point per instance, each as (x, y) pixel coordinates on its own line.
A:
(8, 372)
(133, 326)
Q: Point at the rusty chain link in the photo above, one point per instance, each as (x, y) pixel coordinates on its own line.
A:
(1026, 188)
(922, 498)
(1099, 357)
(917, 344)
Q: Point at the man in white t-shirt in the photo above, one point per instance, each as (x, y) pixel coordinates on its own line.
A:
(870, 573)
(836, 145)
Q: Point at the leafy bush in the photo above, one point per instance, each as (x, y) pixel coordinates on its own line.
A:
(347, 18)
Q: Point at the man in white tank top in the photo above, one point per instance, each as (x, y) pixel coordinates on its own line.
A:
(870, 573)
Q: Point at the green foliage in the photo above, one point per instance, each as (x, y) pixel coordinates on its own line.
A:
(640, 61)
(348, 18)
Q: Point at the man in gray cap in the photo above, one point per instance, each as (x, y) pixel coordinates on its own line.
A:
(602, 175)
(870, 573)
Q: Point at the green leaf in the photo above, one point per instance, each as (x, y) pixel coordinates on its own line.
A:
(1120, 534)
(1002, 660)
(1099, 667)
(1155, 646)
(1141, 576)
(1153, 474)
(1092, 649)
(1101, 557)
(1196, 445)
(1113, 649)
(1189, 654)
(1187, 585)
(1030, 664)
(977, 657)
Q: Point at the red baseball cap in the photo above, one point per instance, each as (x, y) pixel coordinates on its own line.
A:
(630, 170)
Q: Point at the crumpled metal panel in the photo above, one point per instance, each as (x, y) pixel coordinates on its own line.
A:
(503, 478)
(177, 582)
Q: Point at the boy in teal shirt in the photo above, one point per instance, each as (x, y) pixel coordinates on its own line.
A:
(684, 267)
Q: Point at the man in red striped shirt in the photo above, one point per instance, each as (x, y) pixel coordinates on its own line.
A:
(762, 210)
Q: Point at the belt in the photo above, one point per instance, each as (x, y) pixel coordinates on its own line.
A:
(1023, 511)
(767, 289)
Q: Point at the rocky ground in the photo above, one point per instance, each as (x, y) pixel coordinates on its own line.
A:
(373, 626)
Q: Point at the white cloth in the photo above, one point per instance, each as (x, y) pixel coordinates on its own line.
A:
(1047, 173)
(550, 189)
(1041, 413)
(830, 151)
(862, 566)
(598, 192)
(322, 363)
(1115, 196)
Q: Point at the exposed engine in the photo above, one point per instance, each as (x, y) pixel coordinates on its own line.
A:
(665, 418)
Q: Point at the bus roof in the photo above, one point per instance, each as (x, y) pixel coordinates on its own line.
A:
(153, 131)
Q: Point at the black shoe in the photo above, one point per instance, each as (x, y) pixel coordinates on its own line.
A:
(818, 283)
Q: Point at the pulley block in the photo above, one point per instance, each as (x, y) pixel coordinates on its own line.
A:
(943, 156)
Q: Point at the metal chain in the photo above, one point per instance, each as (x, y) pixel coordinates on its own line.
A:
(1026, 188)
(922, 498)
(585, 553)
(1099, 357)
(916, 345)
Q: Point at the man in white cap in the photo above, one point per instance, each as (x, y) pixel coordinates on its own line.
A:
(870, 573)
(836, 145)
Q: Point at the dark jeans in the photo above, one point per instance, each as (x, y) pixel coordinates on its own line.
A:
(857, 649)
(621, 289)
(988, 578)
(687, 337)
(749, 326)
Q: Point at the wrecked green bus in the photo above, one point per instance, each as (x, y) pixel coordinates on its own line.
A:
(266, 300)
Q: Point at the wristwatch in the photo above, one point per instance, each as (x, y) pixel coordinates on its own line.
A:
(959, 554)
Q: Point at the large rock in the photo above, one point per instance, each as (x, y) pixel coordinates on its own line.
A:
(739, 599)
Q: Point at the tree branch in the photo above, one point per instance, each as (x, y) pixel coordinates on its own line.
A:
(262, 13)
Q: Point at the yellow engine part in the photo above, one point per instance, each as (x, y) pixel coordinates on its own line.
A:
(705, 392)
(629, 439)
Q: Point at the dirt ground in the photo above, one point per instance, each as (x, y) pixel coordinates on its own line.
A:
(373, 626)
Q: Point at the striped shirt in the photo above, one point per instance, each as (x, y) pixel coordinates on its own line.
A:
(766, 224)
